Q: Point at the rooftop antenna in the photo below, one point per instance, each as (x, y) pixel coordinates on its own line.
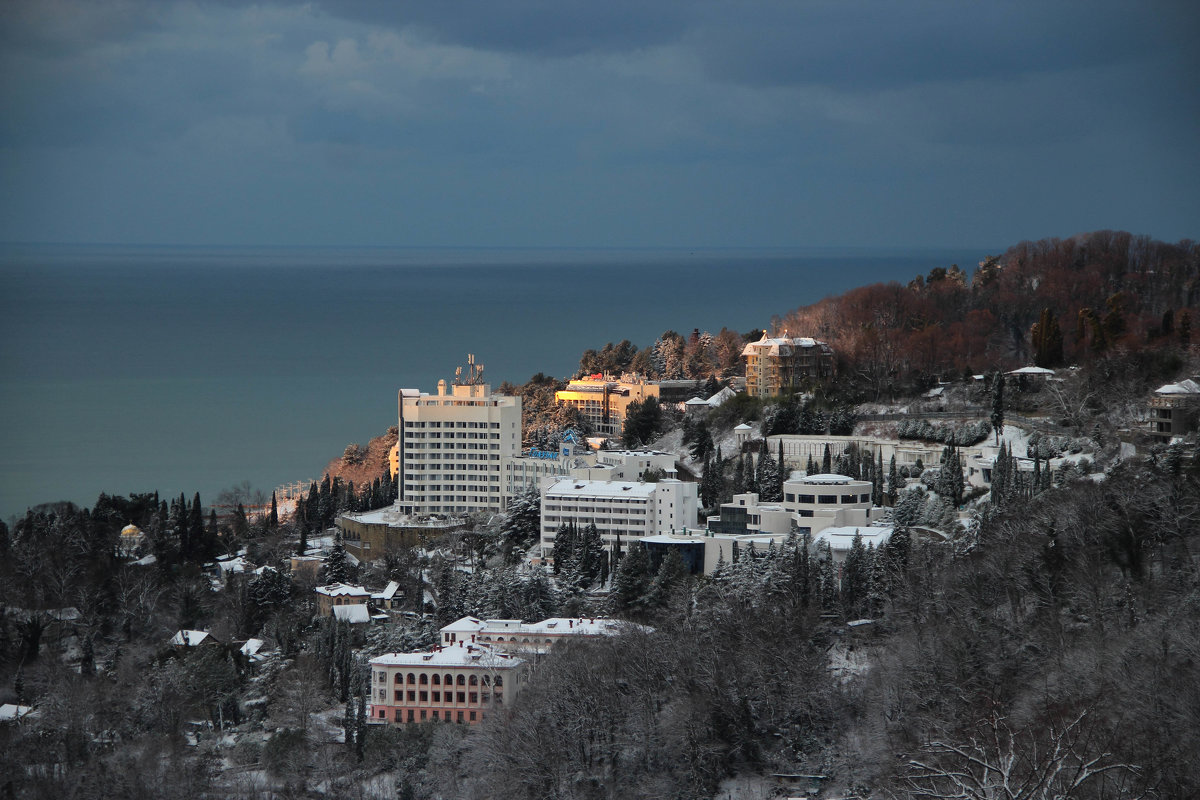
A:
(474, 373)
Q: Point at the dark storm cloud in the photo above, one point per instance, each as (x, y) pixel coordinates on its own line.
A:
(534, 121)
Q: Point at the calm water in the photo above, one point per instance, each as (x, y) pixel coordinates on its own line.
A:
(192, 369)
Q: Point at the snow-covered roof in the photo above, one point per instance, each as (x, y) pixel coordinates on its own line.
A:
(937, 391)
(388, 593)
(668, 539)
(1031, 371)
(843, 538)
(146, 561)
(234, 565)
(355, 613)
(744, 427)
(569, 487)
(342, 590)
(186, 638)
(465, 625)
(1188, 386)
(251, 647)
(10, 712)
(696, 401)
(830, 479)
(462, 655)
(782, 345)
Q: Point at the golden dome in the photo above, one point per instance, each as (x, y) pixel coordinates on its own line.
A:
(131, 531)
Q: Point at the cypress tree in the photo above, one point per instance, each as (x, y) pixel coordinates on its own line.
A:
(893, 481)
(273, 520)
(998, 404)
(827, 460)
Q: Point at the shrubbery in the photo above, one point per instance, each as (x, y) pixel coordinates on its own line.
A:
(963, 435)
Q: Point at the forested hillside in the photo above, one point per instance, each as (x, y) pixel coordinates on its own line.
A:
(1052, 302)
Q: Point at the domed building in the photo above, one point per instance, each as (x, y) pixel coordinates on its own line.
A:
(130, 541)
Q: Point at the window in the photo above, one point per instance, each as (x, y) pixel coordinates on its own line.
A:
(499, 680)
(474, 681)
(472, 716)
(462, 680)
(412, 696)
(460, 716)
(827, 498)
(448, 680)
(399, 678)
(424, 715)
(382, 714)
(412, 678)
(399, 696)
(473, 698)
(424, 697)
(410, 715)
(382, 677)
(462, 698)
(424, 679)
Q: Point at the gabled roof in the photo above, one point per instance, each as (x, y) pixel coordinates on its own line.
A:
(388, 593)
(465, 625)
(1031, 371)
(186, 638)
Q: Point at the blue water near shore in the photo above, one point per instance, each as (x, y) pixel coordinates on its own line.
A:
(131, 369)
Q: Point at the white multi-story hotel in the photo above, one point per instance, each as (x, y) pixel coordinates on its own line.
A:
(452, 448)
(627, 509)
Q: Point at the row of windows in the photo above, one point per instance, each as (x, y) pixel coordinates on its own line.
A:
(424, 715)
(432, 424)
(462, 698)
(436, 679)
(826, 499)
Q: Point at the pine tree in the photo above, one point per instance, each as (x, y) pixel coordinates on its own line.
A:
(827, 461)
(563, 550)
(782, 471)
(273, 520)
(337, 565)
(739, 474)
(202, 549)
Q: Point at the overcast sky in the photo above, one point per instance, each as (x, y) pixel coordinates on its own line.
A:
(601, 123)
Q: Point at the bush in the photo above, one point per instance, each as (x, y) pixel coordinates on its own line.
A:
(286, 753)
(963, 435)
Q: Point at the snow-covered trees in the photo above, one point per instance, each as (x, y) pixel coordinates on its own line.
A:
(522, 524)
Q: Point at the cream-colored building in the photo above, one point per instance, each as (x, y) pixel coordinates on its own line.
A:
(452, 448)
(777, 364)
(463, 683)
(603, 402)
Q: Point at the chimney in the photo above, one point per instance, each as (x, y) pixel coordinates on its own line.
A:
(472, 638)
(460, 644)
(570, 623)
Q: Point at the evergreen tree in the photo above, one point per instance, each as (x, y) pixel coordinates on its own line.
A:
(827, 461)
(522, 524)
(782, 471)
(202, 549)
(893, 481)
(273, 519)
(703, 446)
(854, 577)
(998, 404)
(563, 552)
(631, 581)
(739, 474)
(337, 565)
(672, 574)
(1047, 340)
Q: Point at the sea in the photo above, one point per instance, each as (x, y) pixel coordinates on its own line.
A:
(194, 369)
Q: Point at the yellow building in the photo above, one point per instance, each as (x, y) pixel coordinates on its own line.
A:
(603, 402)
(776, 364)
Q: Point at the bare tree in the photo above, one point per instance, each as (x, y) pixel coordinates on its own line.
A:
(997, 763)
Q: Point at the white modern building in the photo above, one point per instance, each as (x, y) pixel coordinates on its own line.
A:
(452, 448)
(627, 509)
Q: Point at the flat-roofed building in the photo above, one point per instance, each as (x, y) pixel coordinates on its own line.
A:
(603, 402)
(452, 448)
(627, 509)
